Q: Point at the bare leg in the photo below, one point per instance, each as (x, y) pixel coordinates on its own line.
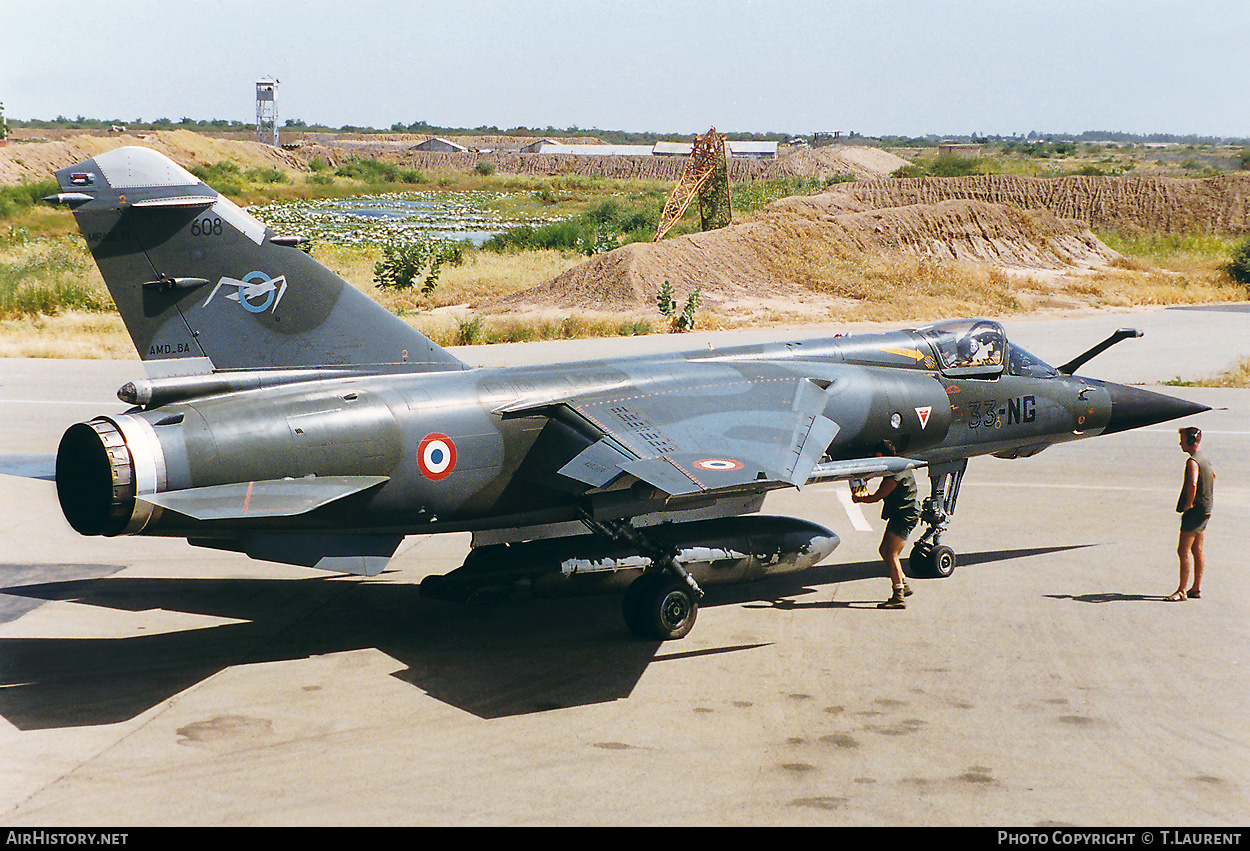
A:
(891, 549)
(1200, 564)
(1185, 552)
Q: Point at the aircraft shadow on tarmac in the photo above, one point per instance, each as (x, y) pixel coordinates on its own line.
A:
(492, 659)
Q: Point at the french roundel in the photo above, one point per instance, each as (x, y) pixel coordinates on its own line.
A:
(436, 456)
(718, 465)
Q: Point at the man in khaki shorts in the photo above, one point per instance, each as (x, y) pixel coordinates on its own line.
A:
(901, 512)
(1194, 506)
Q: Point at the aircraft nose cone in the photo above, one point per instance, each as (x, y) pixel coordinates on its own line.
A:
(1132, 407)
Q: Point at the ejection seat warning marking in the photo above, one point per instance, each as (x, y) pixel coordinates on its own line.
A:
(923, 415)
(436, 456)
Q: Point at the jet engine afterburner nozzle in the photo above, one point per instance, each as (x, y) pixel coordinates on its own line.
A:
(95, 478)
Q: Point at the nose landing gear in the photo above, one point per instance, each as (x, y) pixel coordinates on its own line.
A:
(930, 559)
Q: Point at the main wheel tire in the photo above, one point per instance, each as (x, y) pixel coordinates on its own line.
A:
(660, 607)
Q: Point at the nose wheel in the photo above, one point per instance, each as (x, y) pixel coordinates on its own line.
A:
(930, 559)
(930, 562)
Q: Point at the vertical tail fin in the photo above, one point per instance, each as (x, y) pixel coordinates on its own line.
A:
(194, 276)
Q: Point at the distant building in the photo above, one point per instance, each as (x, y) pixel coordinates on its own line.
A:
(822, 138)
(672, 149)
(536, 146)
(595, 150)
(442, 146)
(752, 150)
(964, 150)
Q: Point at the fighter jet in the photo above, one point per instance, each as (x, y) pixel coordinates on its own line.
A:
(288, 416)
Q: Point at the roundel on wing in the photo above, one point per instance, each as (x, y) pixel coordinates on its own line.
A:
(718, 465)
(436, 456)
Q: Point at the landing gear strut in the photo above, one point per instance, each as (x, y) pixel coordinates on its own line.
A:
(663, 602)
(930, 559)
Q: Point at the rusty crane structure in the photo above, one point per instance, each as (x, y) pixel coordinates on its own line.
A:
(706, 175)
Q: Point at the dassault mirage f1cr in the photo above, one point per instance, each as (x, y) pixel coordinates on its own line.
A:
(288, 416)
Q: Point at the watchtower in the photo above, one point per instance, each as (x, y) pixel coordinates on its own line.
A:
(267, 111)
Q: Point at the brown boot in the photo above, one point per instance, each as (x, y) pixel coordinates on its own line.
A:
(896, 601)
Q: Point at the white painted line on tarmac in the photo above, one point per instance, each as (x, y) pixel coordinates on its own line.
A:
(853, 511)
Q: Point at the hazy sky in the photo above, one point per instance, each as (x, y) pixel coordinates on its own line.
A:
(890, 67)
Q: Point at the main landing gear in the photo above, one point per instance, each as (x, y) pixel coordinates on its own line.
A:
(663, 602)
(930, 559)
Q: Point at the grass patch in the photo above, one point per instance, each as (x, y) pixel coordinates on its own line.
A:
(1238, 376)
(48, 276)
(486, 330)
(15, 199)
(607, 225)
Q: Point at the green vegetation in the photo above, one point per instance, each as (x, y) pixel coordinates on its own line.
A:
(609, 224)
(403, 263)
(25, 195)
(682, 320)
(945, 165)
(373, 171)
(1169, 249)
(1239, 267)
(229, 179)
(46, 277)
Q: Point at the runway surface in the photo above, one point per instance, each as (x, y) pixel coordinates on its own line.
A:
(147, 682)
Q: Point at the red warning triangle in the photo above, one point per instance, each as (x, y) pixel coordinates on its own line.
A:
(923, 414)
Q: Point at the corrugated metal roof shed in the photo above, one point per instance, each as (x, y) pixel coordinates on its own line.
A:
(441, 145)
(759, 150)
(535, 147)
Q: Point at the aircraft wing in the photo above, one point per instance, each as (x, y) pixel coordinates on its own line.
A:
(756, 427)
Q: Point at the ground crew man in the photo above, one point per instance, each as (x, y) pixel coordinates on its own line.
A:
(901, 511)
(1194, 506)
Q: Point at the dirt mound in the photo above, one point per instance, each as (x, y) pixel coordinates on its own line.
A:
(750, 260)
(864, 162)
(1127, 204)
(22, 163)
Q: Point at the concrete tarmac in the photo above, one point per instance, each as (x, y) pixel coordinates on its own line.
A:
(1046, 683)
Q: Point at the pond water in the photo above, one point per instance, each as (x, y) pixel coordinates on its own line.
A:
(474, 216)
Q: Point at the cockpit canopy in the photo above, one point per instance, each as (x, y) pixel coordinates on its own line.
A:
(968, 347)
(978, 348)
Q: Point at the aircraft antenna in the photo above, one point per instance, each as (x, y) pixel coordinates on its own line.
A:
(706, 175)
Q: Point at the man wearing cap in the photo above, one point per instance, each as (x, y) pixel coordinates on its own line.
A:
(1194, 505)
